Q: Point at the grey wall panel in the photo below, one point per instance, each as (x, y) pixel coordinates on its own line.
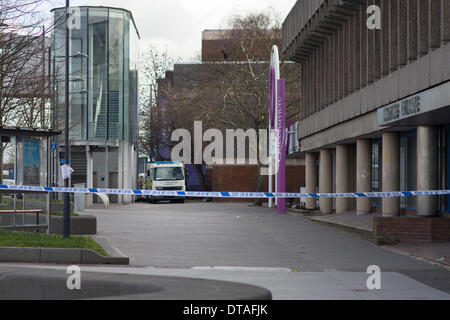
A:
(445, 20)
(403, 85)
(378, 93)
(378, 46)
(436, 63)
(364, 52)
(357, 49)
(371, 98)
(345, 108)
(364, 100)
(424, 30)
(386, 87)
(418, 74)
(297, 18)
(351, 54)
(403, 32)
(413, 29)
(393, 35)
(446, 59)
(335, 115)
(357, 107)
(385, 30)
(424, 72)
(351, 129)
(436, 21)
(395, 79)
(413, 76)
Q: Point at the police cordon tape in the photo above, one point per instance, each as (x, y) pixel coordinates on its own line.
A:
(248, 195)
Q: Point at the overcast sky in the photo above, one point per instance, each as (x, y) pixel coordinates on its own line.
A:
(176, 25)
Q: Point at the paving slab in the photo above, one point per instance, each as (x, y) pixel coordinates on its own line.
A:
(288, 285)
(349, 219)
(33, 283)
(211, 235)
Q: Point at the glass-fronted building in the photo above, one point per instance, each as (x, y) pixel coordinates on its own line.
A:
(375, 103)
(104, 49)
(108, 36)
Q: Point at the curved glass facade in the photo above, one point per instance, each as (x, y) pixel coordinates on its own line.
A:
(103, 105)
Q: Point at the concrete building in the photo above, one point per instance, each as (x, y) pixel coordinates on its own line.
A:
(222, 56)
(375, 102)
(221, 45)
(103, 104)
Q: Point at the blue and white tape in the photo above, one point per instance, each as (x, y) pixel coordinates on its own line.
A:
(245, 195)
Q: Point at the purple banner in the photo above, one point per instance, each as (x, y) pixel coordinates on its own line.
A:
(281, 121)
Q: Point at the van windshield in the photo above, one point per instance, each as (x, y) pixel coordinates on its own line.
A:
(168, 173)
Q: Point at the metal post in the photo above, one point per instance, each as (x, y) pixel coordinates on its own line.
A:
(15, 177)
(43, 79)
(23, 210)
(66, 228)
(54, 106)
(49, 178)
(15, 209)
(106, 165)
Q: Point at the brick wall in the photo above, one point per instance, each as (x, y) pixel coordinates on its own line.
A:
(244, 178)
(412, 229)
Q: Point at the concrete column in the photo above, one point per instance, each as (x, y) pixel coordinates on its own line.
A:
(363, 175)
(311, 179)
(427, 170)
(326, 180)
(89, 175)
(391, 172)
(342, 173)
(127, 169)
(120, 171)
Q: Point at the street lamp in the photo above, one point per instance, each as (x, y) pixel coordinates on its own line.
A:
(66, 221)
(80, 55)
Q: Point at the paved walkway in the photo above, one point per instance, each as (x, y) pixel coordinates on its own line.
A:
(286, 253)
(349, 219)
(285, 284)
(435, 252)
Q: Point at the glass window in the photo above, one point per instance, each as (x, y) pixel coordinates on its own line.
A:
(31, 163)
(168, 173)
(444, 168)
(133, 85)
(126, 82)
(115, 88)
(78, 69)
(98, 57)
(376, 171)
(59, 45)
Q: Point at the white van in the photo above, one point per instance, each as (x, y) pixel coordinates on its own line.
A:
(167, 176)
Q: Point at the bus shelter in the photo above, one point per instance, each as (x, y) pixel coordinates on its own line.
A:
(28, 160)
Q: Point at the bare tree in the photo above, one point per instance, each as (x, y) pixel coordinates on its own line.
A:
(233, 93)
(154, 126)
(22, 64)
